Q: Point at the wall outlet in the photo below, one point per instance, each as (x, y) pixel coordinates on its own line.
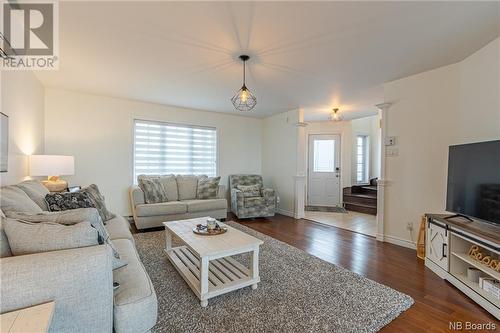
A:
(390, 141)
(409, 226)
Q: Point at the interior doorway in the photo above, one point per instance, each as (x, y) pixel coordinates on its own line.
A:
(324, 186)
(343, 166)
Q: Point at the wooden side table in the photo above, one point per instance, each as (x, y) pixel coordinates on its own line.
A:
(35, 319)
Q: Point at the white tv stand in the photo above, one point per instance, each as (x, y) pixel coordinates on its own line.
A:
(447, 244)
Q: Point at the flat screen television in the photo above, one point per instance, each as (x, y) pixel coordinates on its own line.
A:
(474, 180)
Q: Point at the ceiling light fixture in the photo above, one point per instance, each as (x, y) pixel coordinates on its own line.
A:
(244, 100)
(336, 116)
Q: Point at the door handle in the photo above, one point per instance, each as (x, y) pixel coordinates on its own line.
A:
(444, 253)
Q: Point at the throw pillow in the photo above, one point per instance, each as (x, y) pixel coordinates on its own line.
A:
(153, 189)
(249, 190)
(207, 188)
(13, 199)
(36, 191)
(27, 238)
(63, 201)
(98, 200)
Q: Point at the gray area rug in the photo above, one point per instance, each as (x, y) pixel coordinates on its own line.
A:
(326, 209)
(298, 293)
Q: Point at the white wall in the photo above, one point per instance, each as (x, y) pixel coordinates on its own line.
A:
(279, 157)
(98, 130)
(432, 110)
(22, 99)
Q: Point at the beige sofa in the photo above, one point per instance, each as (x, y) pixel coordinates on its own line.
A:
(185, 207)
(79, 280)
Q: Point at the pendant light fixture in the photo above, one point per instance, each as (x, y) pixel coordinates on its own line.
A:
(336, 116)
(244, 100)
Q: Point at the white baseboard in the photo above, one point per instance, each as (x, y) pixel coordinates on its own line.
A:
(285, 212)
(399, 241)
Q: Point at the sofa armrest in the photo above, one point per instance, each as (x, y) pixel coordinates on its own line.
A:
(237, 200)
(80, 281)
(268, 193)
(221, 192)
(136, 198)
(269, 196)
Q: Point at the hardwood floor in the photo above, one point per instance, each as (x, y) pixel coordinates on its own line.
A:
(437, 303)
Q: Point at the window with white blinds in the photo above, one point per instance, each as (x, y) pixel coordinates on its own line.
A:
(362, 158)
(165, 148)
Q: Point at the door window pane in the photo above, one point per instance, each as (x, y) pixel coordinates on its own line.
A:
(324, 156)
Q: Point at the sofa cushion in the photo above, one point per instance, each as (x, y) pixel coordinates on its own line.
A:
(187, 186)
(36, 191)
(98, 200)
(254, 201)
(118, 228)
(135, 304)
(57, 202)
(194, 206)
(207, 188)
(153, 189)
(163, 208)
(27, 238)
(13, 199)
(169, 183)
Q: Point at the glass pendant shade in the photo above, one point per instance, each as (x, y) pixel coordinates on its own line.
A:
(244, 100)
(336, 116)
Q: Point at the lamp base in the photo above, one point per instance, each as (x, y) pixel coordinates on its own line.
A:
(58, 185)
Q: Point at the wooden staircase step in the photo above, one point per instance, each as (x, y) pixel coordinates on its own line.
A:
(355, 207)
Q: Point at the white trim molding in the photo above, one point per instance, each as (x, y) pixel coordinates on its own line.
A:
(382, 182)
(285, 212)
(397, 241)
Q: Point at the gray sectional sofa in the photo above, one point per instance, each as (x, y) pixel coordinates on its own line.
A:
(80, 280)
(182, 203)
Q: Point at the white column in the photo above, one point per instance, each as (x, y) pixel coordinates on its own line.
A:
(300, 196)
(382, 181)
(300, 174)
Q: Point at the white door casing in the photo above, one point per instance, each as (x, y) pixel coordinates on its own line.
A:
(324, 170)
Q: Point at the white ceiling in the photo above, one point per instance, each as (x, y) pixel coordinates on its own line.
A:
(314, 55)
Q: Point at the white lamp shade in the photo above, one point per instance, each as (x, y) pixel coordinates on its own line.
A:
(51, 165)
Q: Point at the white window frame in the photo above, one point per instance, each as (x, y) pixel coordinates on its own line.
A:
(366, 158)
(160, 122)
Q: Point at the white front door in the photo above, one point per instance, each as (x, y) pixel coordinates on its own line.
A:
(324, 170)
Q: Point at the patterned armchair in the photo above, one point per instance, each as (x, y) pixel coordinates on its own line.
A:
(249, 198)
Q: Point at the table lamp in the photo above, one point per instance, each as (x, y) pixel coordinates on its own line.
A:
(52, 166)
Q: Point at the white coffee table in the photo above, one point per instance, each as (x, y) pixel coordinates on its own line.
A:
(205, 262)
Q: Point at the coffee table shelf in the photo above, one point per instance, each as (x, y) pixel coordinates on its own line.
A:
(225, 274)
(206, 263)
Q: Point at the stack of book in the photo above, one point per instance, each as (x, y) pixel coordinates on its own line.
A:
(490, 285)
